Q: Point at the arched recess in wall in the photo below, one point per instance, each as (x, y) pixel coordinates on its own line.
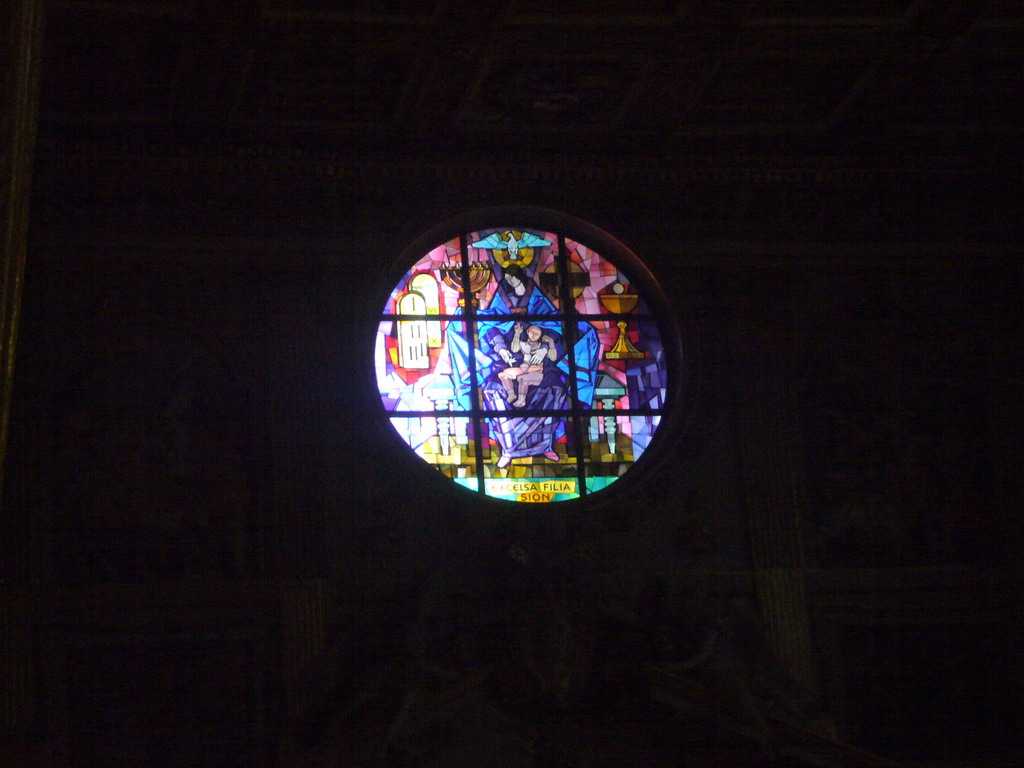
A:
(527, 356)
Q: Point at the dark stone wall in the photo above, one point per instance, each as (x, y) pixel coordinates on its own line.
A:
(215, 551)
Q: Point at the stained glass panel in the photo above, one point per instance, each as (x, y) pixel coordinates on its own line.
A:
(493, 346)
(433, 276)
(413, 368)
(598, 286)
(448, 443)
(615, 441)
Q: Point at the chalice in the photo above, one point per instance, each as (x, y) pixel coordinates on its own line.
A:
(620, 302)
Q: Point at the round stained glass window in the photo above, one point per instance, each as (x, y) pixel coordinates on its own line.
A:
(522, 363)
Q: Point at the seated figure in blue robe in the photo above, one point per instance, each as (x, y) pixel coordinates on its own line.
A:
(519, 433)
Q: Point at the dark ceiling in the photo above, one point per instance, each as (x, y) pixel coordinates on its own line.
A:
(849, 76)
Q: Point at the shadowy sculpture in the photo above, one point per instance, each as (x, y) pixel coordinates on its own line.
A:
(557, 656)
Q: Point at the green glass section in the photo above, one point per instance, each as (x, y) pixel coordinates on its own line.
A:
(599, 482)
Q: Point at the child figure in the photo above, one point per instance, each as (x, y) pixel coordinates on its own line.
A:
(518, 378)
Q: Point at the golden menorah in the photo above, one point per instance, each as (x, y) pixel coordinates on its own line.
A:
(479, 275)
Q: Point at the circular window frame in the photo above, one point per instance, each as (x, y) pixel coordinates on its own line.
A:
(611, 249)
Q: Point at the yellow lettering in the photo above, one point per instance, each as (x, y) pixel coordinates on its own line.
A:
(528, 489)
(535, 497)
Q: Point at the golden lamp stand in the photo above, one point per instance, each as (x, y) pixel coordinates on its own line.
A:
(479, 275)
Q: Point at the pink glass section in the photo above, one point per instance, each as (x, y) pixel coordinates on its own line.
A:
(593, 276)
(441, 266)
